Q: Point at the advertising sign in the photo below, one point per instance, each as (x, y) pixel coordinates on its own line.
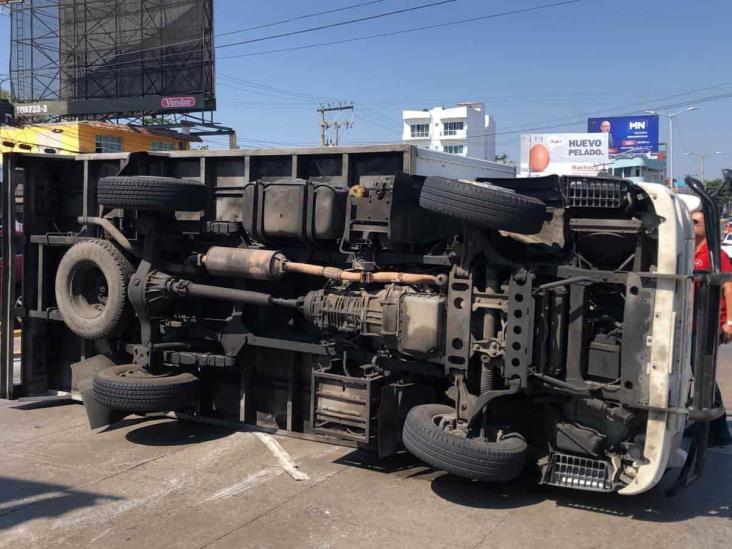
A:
(151, 103)
(178, 102)
(627, 133)
(563, 154)
(134, 58)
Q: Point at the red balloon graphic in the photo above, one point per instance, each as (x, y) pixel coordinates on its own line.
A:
(539, 158)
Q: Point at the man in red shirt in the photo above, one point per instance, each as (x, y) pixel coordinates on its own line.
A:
(719, 435)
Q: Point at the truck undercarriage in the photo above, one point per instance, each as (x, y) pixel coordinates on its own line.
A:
(487, 325)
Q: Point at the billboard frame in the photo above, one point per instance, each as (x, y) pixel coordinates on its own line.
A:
(58, 68)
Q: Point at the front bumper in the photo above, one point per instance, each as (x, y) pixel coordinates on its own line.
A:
(673, 348)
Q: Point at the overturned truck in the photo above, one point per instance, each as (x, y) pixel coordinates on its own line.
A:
(378, 297)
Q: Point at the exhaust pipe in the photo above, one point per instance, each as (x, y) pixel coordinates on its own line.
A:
(271, 265)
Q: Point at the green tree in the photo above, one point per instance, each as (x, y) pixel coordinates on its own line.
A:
(724, 198)
(156, 120)
(713, 187)
(4, 94)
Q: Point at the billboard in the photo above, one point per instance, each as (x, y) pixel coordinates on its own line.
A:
(563, 154)
(127, 57)
(627, 133)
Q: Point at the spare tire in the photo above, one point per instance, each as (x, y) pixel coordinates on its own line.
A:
(132, 388)
(91, 288)
(472, 458)
(147, 192)
(483, 204)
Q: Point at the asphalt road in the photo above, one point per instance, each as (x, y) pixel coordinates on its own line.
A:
(164, 483)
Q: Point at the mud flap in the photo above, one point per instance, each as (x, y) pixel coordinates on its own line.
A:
(82, 376)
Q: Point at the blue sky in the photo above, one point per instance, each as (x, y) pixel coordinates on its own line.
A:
(602, 56)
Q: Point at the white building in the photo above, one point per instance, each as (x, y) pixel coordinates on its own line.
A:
(464, 129)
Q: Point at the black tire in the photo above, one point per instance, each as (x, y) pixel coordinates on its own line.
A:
(131, 388)
(471, 458)
(91, 289)
(483, 204)
(146, 192)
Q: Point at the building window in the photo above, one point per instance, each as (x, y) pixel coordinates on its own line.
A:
(108, 144)
(453, 149)
(161, 146)
(420, 130)
(452, 128)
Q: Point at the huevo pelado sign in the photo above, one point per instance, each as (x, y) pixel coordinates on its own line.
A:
(585, 147)
(563, 154)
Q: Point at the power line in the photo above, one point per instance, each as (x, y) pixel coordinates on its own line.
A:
(578, 118)
(681, 135)
(575, 121)
(370, 119)
(229, 33)
(340, 23)
(377, 119)
(247, 29)
(301, 17)
(297, 32)
(265, 89)
(573, 117)
(370, 115)
(267, 94)
(628, 105)
(261, 142)
(404, 31)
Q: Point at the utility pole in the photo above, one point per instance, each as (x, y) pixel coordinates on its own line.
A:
(701, 157)
(671, 117)
(325, 125)
(338, 125)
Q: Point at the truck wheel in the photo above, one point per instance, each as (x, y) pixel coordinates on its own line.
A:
(483, 204)
(472, 458)
(146, 192)
(132, 388)
(91, 288)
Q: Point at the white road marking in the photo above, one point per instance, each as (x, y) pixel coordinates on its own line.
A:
(14, 504)
(249, 482)
(285, 459)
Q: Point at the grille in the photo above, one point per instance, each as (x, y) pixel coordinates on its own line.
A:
(577, 472)
(587, 193)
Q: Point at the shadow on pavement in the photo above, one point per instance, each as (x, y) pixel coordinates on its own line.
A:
(171, 432)
(24, 500)
(710, 496)
(49, 403)
(521, 492)
(364, 459)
